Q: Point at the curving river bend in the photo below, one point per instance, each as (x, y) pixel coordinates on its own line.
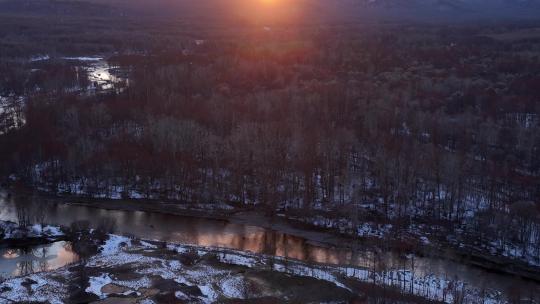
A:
(218, 233)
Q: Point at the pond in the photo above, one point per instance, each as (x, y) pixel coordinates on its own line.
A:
(27, 260)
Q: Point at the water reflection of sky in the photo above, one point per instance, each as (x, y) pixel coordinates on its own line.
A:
(187, 230)
(22, 261)
(205, 232)
(100, 74)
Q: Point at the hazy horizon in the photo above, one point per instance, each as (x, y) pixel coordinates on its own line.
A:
(306, 11)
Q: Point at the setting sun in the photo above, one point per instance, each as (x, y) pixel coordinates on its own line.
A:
(268, 11)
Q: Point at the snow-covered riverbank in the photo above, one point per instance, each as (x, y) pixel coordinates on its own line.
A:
(10, 231)
(146, 271)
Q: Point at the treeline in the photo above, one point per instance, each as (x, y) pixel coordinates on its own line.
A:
(435, 132)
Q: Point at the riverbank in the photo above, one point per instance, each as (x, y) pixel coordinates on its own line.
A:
(222, 212)
(316, 235)
(13, 235)
(373, 269)
(126, 270)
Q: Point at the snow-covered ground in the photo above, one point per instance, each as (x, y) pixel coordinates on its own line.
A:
(131, 268)
(203, 280)
(473, 205)
(12, 231)
(33, 288)
(118, 191)
(84, 58)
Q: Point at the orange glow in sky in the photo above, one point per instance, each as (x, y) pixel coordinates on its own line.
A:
(268, 11)
(268, 2)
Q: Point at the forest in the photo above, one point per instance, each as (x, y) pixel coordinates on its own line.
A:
(346, 127)
(403, 136)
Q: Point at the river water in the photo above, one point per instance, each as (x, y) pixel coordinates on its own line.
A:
(218, 233)
(23, 261)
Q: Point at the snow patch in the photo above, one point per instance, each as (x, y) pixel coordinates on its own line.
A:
(208, 292)
(83, 58)
(97, 283)
(233, 287)
(39, 58)
(114, 244)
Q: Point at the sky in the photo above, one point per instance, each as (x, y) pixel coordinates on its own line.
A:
(357, 10)
(316, 11)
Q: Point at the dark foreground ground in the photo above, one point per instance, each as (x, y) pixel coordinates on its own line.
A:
(126, 270)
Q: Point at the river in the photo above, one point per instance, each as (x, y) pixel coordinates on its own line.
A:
(220, 233)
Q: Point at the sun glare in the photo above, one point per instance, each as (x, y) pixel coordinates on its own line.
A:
(268, 11)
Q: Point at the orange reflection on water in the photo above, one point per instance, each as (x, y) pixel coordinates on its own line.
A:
(11, 254)
(17, 262)
(271, 243)
(64, 256)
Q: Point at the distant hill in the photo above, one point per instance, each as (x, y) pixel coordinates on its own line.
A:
(312, 11)
(451, 10)
(361, 10)
(57, 7)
